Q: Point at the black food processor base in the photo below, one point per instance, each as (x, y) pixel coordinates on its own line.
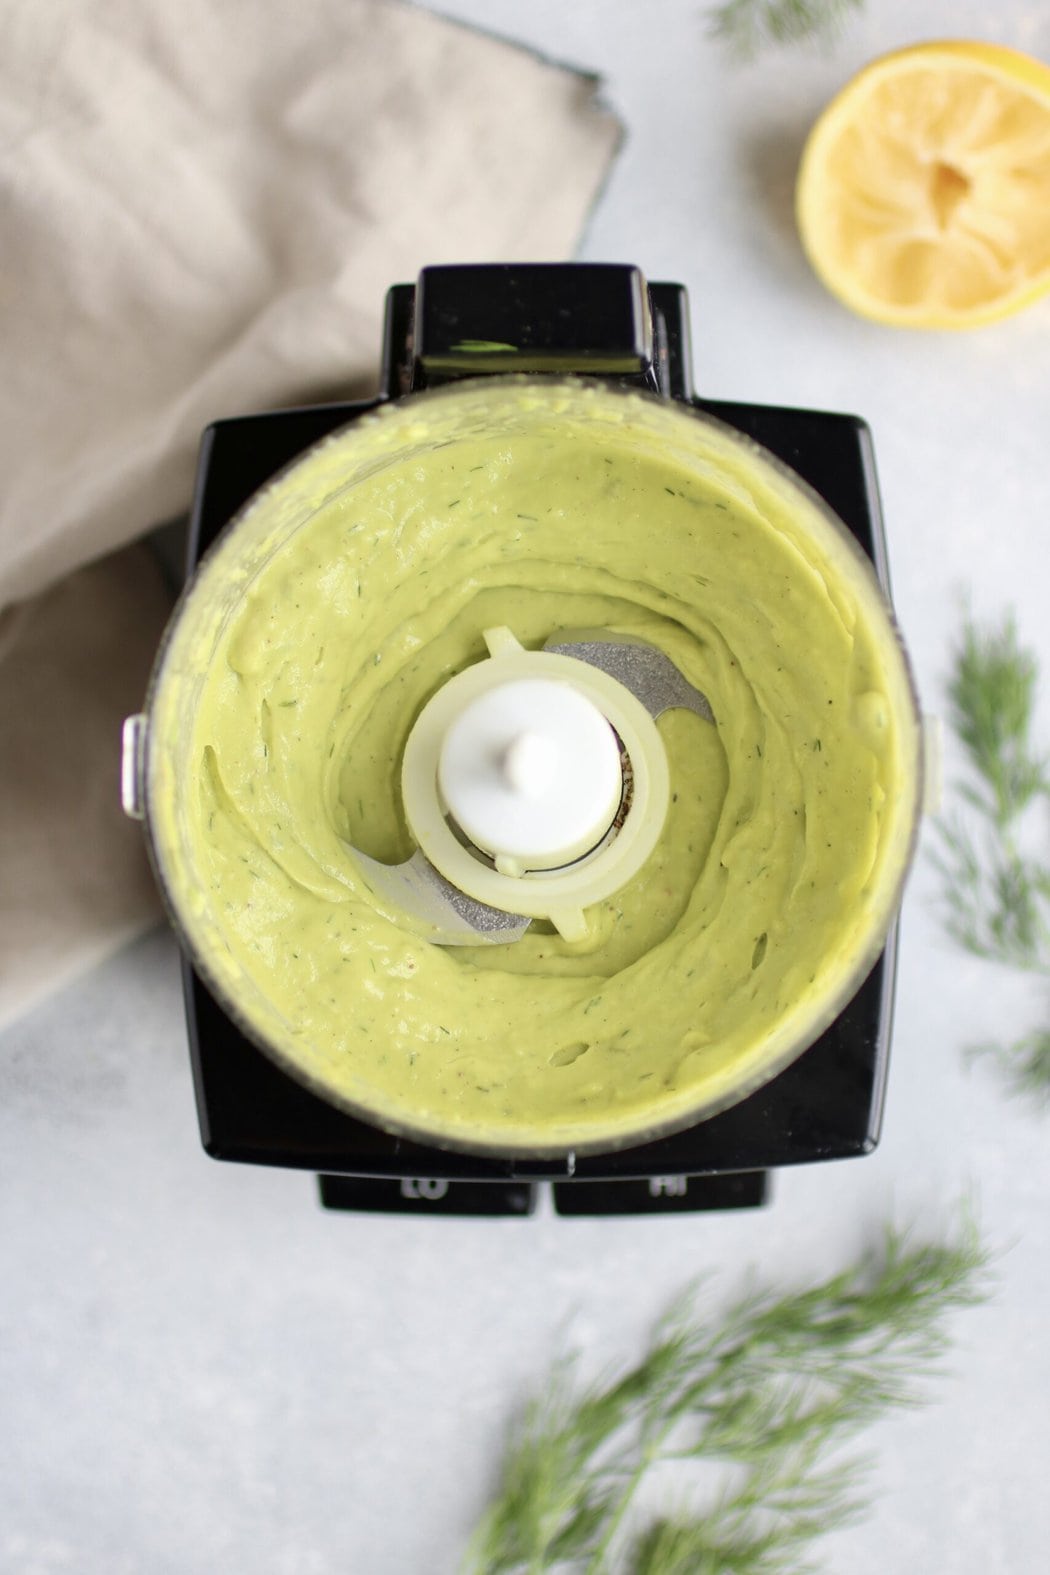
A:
(590, 319)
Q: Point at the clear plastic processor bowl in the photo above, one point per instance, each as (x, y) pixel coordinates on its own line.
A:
(557, 1103)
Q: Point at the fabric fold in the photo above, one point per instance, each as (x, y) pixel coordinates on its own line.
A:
(202, 209)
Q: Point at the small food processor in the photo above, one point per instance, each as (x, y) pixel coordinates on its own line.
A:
(533, 782)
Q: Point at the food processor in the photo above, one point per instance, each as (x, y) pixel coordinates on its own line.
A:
(533, 779)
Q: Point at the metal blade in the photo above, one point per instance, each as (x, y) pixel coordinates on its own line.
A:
(651, 676)
(454, 918)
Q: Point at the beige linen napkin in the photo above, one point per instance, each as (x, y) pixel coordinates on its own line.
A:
(201, 209)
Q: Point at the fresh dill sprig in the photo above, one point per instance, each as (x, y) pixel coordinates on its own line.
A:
(762, 1396)
(1024, 1064)
(992, 694)
(996, 885)
(747, 26)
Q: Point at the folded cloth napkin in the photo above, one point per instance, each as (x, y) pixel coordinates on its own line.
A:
(202, 207)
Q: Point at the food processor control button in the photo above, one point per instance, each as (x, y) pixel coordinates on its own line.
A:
(530, 771)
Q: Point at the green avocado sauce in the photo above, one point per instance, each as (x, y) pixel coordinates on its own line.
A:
(312, 643)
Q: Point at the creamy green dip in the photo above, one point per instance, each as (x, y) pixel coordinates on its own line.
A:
(361, 581)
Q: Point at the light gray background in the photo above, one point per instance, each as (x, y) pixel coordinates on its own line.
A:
(202, 1371)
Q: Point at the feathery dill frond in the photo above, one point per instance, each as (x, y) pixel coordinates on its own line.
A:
(748, 26)
(996, 884)
(765, 1393)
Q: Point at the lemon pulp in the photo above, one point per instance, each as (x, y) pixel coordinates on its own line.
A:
(923, 196)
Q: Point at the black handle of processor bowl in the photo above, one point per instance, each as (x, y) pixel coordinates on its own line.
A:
(585, 319)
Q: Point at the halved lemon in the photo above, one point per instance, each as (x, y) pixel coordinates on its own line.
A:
(923, 196)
